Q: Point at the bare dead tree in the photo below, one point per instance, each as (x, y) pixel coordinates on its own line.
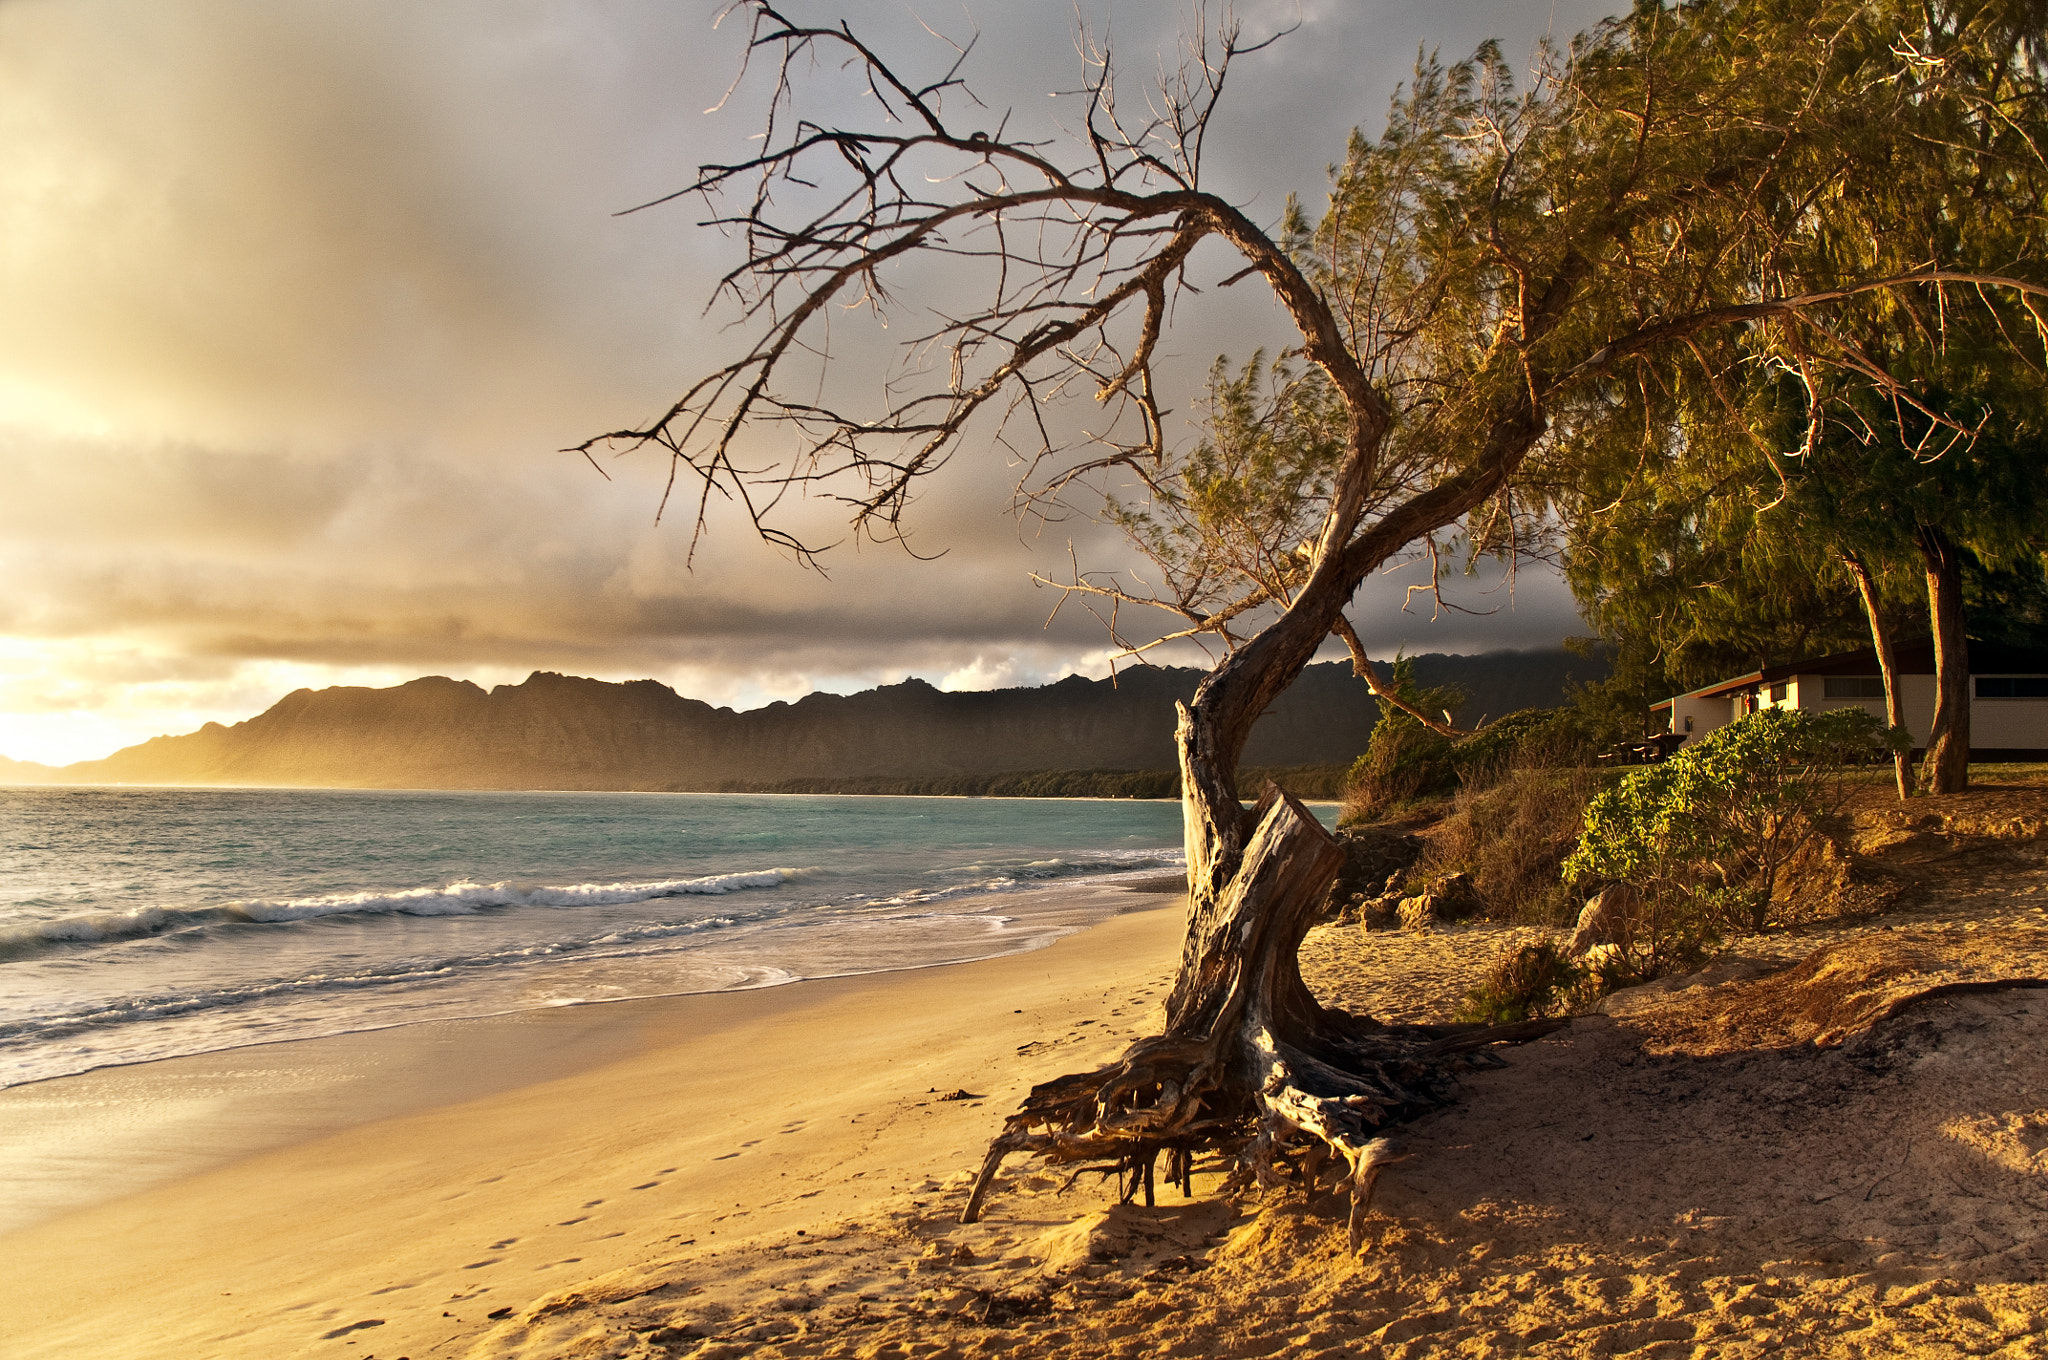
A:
(1490, 273)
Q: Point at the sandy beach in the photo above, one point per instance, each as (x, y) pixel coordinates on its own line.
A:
(636, 1130)
(1831, 1143)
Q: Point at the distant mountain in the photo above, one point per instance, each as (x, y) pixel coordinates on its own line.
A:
(561, 732)
(25, 772)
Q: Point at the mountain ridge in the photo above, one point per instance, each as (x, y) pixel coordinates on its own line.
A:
(567, 732)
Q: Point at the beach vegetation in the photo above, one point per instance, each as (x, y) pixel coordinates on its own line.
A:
(1503, 804)
(1525, 984)
(1510, 272)
(1705, 839)
(1404, 759)
(1512, 834)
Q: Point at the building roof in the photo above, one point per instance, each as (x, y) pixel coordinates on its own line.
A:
(1986, 658)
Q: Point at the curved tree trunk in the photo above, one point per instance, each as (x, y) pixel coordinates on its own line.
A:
(1946, 768)
(1250, 1065)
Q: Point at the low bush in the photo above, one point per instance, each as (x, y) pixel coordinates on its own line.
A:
(1529, 738)
(1706, 836)
(1512, 836)
(1536, 980)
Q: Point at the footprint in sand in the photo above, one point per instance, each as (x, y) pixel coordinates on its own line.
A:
(572, 1222)
(479, 1265)
(726, 1157)
(592, 1203)
(500, 1246)
(648, 1185)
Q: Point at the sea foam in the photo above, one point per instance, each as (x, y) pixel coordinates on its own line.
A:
(456, 899)
(140, 924)
(462, 898)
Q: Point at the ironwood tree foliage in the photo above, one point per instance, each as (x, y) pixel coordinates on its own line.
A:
(1763, 494)
(1498, 271)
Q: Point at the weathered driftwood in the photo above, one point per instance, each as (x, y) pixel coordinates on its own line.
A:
(1250, 1066)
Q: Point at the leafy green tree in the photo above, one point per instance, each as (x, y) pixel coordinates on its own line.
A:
(1740, 556)
(1767, 489)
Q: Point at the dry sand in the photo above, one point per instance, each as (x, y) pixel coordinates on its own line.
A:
(1849, 1157)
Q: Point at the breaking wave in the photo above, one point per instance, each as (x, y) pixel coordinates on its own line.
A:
(456, 899)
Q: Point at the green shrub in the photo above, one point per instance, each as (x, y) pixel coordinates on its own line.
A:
(1536, 980)
(1407, 762)
(1403, 760)
(1704, 837)
(1529, 738)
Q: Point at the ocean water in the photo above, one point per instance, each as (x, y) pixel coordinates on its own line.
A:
(147, 923)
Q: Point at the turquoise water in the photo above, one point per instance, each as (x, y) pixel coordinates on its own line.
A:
(145, 923)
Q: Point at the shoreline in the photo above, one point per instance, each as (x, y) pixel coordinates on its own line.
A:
(370, 1169)
(251, 1076)
(1018, 917)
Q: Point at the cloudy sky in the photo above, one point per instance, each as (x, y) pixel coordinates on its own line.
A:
(300, 299)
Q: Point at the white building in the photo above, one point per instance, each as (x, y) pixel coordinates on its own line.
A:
(2008, 696)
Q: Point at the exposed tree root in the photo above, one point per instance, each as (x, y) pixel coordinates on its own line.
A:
(1251, 1067)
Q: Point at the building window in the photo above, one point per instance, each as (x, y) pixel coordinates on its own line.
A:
(1853, 687)
(2012, 687)
(1778, 692)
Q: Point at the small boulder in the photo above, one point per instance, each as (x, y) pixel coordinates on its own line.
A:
(1381, 911)
(1372, 856)
(1417, 913)
(1450, 897)
(1602, 920)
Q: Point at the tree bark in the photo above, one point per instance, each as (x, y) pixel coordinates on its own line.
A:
(1250, 1064)
(1887, 666)
(1947, 766)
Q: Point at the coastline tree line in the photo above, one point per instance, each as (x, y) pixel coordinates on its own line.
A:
(1731, 301)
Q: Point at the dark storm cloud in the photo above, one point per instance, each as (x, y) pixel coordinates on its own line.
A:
(303, 297)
